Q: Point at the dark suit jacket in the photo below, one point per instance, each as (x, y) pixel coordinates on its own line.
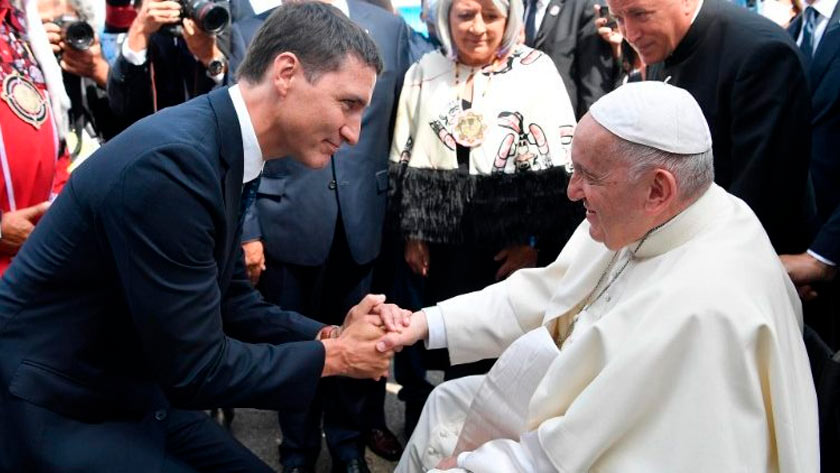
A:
(130, 296)
(297, 208)
(583, 59)
(178, 77)
(748, 77)
(824, 79)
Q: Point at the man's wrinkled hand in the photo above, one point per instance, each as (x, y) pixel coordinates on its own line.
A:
(254, 260)
(16, 226)
(418, 329)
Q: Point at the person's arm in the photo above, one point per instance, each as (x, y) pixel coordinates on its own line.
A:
(484, 323)
(819, 263)
(161, 227)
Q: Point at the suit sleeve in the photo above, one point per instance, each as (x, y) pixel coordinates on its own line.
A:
(771, 143)
(129, 90)
(594, 62)
(249, 318)
(827, 243)
(161, 221)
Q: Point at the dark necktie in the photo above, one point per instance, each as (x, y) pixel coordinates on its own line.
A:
(249, 195)
(530, 22)
(809, 21)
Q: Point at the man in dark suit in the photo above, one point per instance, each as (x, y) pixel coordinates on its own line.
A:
(748, 77)
(130, 303)
(565, 30)
(317, 233)
(817, 32)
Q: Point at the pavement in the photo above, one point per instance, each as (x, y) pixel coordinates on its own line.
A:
(258, 430)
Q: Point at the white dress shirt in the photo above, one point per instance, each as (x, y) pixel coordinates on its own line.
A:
(824, 9)
(251, 152)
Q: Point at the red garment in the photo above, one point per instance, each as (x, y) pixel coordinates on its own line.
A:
(28, 158)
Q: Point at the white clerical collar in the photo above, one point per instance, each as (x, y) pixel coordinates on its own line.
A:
(251, 152)
(684, 226)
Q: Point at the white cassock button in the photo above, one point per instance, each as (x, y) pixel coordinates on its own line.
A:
(430, 451)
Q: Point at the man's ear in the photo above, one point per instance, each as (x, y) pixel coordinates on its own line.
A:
(283, 71)
(662, 192)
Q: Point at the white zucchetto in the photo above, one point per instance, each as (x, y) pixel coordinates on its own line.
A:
(654, 114)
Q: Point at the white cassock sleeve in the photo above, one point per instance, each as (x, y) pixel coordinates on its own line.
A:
(525, 456)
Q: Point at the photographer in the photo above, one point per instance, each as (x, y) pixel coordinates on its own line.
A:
(71, 30)
(166, 59)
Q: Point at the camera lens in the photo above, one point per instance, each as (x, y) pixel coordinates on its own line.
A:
(212, 17)
(78, 35)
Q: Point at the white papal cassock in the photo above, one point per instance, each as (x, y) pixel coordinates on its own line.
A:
(691, 360)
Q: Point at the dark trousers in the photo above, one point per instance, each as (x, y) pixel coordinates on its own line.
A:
(324, 293)
(35, 440)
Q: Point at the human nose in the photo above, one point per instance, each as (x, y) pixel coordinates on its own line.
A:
(350, 132)
(478, 26)
(574, 190)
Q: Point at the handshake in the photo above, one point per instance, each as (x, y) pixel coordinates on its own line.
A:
(365, 343)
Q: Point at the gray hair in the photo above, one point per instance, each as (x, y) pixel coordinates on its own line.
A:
(694, 172)
(512, 9)
(318, 34)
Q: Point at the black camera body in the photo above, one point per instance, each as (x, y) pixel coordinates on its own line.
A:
(604, 12)
(212, 16)
(78, 34)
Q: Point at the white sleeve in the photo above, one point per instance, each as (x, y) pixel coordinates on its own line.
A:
(137, 58)
(437, 329)
(821, 258)
(525, 456)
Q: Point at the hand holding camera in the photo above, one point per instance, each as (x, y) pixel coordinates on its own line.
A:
(77, 48)
(153, 14)
(607, 27)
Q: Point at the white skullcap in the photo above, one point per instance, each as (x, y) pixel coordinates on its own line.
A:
(654, 114)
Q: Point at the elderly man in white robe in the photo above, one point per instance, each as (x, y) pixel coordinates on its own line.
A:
(666, 337)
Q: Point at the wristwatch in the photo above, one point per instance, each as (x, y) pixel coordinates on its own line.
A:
(216, 66)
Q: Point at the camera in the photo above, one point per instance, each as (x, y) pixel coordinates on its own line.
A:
(604, 12)
(212, 16)
(78, 34)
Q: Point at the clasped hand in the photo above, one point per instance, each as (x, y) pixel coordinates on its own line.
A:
(353, 351)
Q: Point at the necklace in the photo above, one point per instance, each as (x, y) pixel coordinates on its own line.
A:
(469, 125)
(591, 300)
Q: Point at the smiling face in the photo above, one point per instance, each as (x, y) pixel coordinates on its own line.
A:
(327, 111)
(653, 27)
(477, 28)
(614, 205)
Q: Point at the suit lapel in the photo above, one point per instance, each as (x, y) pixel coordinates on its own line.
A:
(826, 50)
(231, 160)
(548, 22)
